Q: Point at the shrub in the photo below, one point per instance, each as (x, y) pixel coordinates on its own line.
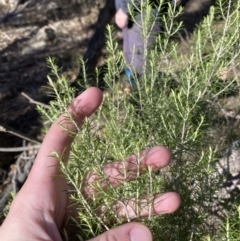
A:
(178, 109)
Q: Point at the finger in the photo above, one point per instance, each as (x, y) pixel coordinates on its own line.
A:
(126, 232)
(128, 209)
(46, 166)
(138, 208)
(116, 173)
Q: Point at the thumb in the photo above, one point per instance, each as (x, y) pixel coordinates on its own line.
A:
(126, 232)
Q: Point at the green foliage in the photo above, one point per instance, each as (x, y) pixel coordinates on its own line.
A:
(7, 207)
(175, 109)
(230, 229)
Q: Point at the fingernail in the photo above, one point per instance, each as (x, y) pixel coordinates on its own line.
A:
(140, 234)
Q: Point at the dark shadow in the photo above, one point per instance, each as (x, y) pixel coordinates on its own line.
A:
(194, 13)
(97, 43)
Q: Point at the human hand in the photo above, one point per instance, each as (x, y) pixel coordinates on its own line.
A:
(40, 209)
(121, 18)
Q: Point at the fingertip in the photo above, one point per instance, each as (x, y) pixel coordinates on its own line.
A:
(176, 201)
(158, 157)
(86, 103)
(128, 232)
(96, 92)
(167, 203)
(140, 233)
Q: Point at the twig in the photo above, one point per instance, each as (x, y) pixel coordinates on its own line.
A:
(10, 13)
(19, 149)
(17, 2)
(17, 133)
(14, 184)
(14, 12)
(34, 101)
(24, 6)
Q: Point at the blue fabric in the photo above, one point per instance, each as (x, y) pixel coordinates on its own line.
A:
(121, 4)
(128, 72)
(129, 76)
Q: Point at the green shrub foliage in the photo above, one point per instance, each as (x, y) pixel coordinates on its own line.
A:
(176, 102)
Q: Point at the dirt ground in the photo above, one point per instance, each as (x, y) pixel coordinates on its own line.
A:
(35, 30)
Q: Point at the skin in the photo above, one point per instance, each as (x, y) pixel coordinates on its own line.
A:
(40, 209)
(121, 19)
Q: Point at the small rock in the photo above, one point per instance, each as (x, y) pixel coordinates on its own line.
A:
(34, 48)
